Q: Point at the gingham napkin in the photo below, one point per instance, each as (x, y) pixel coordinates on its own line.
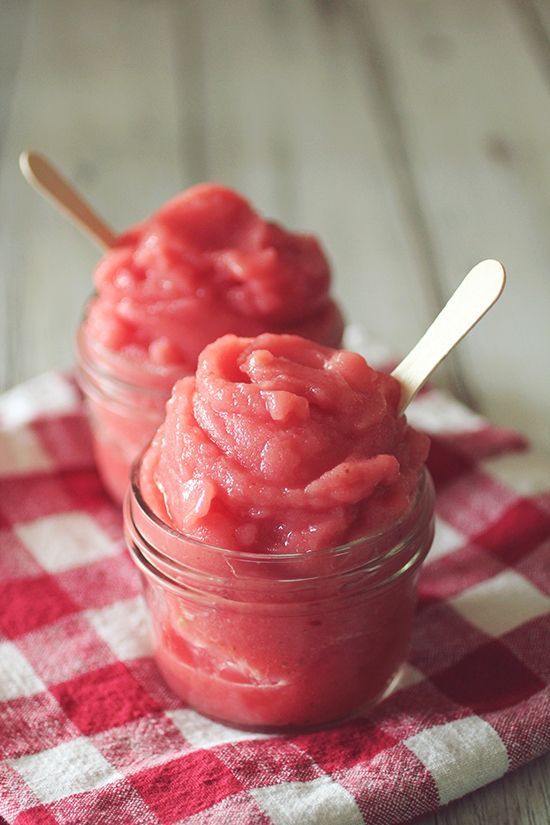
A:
(90, 734)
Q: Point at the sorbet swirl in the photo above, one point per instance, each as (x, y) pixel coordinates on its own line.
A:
(204, 265)
(281, 445)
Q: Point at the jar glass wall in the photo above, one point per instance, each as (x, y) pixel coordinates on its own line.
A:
(280, 642)
(125, 402)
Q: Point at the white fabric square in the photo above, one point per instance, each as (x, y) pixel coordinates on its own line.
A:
(70, 768)
(125, 627)
(319, 802)
(22, 452)
(202, 733)
(65, 540)
(49, 393)
(446, 540)
(439, 412)
(528, 473)
(461, 756)
(501, 603)
(17, 678)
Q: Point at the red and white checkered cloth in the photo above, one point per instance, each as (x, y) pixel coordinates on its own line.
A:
(89, 733)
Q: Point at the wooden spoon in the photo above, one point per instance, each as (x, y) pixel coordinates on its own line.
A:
(474, 297)
(40, 173)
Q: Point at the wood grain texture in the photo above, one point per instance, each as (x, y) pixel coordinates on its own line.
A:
(533, 16)
(14, 19)
(93, 80)
(475, 113)
(412, 135)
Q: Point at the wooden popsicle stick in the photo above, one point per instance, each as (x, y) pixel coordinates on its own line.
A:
(40, 173)
(474, 297)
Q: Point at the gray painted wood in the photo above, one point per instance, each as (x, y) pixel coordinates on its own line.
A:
(474, 109)
(93, 80)
(14, 19)
(411, 135)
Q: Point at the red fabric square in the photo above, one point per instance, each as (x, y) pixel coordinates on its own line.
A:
(531, 643)
(382, 787)
(453, 573)
(488, 679)
(15, 560)
(31, 724)
(344, 746)
(36, 816)
(27, 498)
(145, 741)
(115, 804)
(26, 604)
(267, 762)
(101, 583)
(103, 699)
(84, 489)
(109, 518)
(185, 786)
(441, 637)
(445, 463)
(522, 730)
(536, 567)
(520, 529)
(414, 709)
(66, 439)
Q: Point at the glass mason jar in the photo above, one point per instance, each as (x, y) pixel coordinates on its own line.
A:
(280, 642)
(125, 401)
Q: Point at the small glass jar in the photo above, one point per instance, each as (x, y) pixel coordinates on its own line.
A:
(125, 401)
(280, 642)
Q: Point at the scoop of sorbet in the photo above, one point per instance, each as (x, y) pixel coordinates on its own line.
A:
(203, 265)
(281, 445)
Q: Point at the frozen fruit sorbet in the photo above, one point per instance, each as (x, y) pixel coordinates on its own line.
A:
(281, 445)
(203, 265)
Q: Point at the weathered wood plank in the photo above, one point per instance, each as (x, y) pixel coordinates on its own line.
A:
(96, 90)
(12, 28)
(533, 16)
(539, 11)
(14, 16)
(474, 108)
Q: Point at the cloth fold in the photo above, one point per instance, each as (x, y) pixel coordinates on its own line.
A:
(90, 733)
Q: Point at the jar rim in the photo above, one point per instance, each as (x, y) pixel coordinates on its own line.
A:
(424, 486)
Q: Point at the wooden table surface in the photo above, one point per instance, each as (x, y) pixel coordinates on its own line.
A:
(412, 135)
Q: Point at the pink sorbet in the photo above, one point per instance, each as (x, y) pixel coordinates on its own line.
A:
(203, 265)
(281, 445)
